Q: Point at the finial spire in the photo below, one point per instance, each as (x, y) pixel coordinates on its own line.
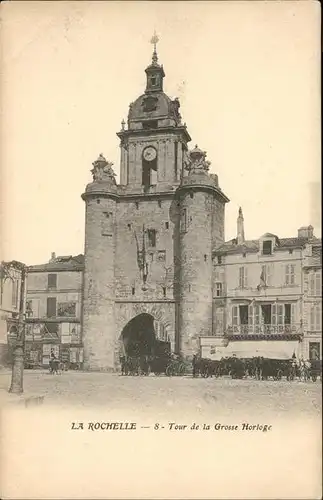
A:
(154, 40)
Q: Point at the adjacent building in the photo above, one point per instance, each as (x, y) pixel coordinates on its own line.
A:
(267, 296)
(10, 294)
(312, 305)
(53, 311)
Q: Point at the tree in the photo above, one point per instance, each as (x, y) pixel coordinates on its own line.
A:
(7, 270)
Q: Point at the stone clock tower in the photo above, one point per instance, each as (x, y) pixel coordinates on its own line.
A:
(148, 241)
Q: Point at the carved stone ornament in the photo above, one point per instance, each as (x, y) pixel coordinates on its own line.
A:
(175, 108)
(150, 103)
(196, 161)
(102, 170)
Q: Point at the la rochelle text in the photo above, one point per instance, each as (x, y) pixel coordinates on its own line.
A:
(171, 426)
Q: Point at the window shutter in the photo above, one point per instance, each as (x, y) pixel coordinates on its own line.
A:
(318, 317)
(235, 315)
(240, 277)
(250, 314)
(311, 284)
(293, 314)
(318, 283)
(274, 314)
(257, 314)
(312, 318)
(280, 314)
(245, 277)
(292, 274)
(268, 275)
(287, 274)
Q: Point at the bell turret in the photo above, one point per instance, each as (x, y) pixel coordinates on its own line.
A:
(155, 72)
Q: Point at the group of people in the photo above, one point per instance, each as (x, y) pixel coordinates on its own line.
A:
(259, 368)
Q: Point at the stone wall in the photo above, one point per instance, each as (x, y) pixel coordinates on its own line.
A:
(155, 215)
(196, 269)
(99, 284)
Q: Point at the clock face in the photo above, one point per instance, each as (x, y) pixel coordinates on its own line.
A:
(150, 154)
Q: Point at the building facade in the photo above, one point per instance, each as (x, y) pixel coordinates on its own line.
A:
(149, 240)
(267, 296)
(312, 279)
(10, 294)
(53, 311)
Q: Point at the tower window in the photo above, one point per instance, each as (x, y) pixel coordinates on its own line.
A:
(164, 291)
(205, 258)
(98, 201)
(183, 221)
(133, 290)
(151, 233)
(129, 227)
(191, 194)
(153, 80)
(137, 205)
(166, 225)
(159, 203)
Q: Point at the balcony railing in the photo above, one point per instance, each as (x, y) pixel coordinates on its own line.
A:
(264, 330)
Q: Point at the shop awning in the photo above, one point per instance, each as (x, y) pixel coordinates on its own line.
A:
(272, 349)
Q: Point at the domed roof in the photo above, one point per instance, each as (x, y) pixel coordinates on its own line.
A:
(150, 106)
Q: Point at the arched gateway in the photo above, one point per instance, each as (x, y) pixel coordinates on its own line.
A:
(144, 336)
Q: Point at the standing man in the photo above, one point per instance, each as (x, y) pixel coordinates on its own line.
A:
(194, 365)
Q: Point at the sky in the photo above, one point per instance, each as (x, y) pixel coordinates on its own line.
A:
(248, 78)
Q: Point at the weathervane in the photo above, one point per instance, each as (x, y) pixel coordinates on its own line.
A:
(154, 40)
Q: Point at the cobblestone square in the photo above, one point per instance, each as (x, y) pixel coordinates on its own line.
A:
(223, 396)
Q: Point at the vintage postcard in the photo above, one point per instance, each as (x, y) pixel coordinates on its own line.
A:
(161, 252)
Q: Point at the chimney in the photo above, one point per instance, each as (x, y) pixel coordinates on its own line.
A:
(306, 232)
(53, 257)
(240, 228)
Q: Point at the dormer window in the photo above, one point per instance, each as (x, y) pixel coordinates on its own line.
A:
(153, 81)
(267, 247)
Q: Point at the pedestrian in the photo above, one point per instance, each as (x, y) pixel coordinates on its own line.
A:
(194, 365)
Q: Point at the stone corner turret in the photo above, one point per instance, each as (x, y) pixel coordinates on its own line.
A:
(104, 181)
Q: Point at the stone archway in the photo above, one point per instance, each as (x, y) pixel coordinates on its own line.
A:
(163, 316)
(138, 336)
(143, 336)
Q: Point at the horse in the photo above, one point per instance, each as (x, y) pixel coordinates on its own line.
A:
(54, 366)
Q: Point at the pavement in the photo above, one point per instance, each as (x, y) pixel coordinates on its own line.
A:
(160, 393)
